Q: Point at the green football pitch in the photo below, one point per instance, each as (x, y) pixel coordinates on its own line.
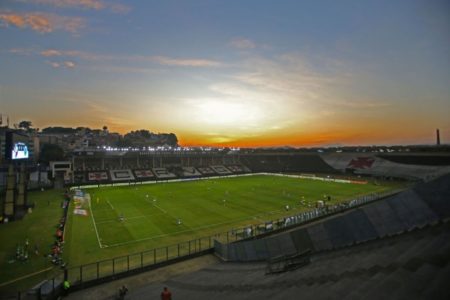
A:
(129, 219)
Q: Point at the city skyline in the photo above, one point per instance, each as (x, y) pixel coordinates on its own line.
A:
(227, 73)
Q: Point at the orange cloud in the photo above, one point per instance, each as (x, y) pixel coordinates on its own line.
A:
(39, 23)
(163, 60)
(15, 20)
(42, 22)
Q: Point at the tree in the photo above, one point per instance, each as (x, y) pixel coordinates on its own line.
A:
(172, 139)
(26, 125)
(105, 128)
(58, 130)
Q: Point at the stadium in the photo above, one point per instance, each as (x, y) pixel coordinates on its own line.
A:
(224, 149)
(284, 220)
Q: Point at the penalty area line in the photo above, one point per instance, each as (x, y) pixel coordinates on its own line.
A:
(112, 207)
(161, 209)
(95, 227)
(127, 218)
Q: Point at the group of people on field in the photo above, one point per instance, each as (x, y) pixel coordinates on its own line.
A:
(58, 245)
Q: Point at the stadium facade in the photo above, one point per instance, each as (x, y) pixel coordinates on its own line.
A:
(102, 166)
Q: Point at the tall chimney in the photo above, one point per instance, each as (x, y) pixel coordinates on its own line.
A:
(438, 138)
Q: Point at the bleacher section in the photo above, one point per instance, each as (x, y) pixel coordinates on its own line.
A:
(427, 160)
(423, 205)
(414, 265)
(93, 164)
(221, 170)
(386, 165)
(370, 164)
(171, 161)
(309, 163)
(121, 175)
(128, 175)
(163, 173)
(111, 164)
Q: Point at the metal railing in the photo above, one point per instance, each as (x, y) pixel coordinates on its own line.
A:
(118, 266)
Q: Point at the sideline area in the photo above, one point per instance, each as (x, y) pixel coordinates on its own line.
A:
(110, 290)
(38, 227)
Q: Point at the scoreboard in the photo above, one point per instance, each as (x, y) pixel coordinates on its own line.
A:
(17, 146)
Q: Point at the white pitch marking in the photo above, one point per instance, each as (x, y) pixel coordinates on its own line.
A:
(161, 209)
(95, 227)
(128, 218)
(110, 204)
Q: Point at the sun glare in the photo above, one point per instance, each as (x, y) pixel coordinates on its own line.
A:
(220, 112)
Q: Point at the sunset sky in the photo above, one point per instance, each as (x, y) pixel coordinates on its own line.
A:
(231, 72)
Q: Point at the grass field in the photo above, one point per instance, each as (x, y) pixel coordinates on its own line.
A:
(150, 224)
(205, 207)
(39, 228)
